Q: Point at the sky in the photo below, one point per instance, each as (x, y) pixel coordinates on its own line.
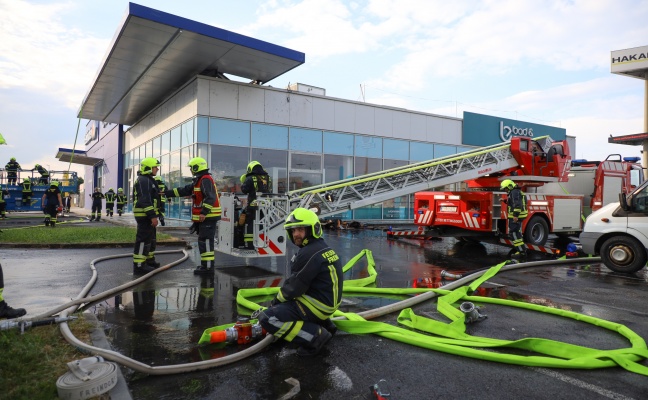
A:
(546, 62)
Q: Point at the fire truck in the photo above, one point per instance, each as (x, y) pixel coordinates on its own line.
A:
(558, 197)
(531, 162)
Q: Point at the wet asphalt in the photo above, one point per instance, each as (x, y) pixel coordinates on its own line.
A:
(160, 321)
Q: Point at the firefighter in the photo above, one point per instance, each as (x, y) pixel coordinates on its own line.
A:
(121, 201)
(26, 192)
(52, 203)
(163, 200)
(145, 210)
(96, 205)
(12, 169)
(255, 180)
(5, 310)
(3, 203)
(110, 202)
(302, 309)
(44, 174)
(516, 212)
(205, 211)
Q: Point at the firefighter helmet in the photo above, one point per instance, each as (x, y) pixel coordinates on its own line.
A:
(13, 159)
(25, 179)
(147, 165)
(120, 190)
(55, 183)
(306, 218)
(197, 164)
(37, 166)
(251, 165)
(507, 184)
(111, 190)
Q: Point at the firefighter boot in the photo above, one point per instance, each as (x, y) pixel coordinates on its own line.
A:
(315, 346)
(151, 261)
(142, 268)
(98, 217)
(330, 326)
(519, 255)
(203, 269)
(92, 218)
(8, 312)
(47, 221)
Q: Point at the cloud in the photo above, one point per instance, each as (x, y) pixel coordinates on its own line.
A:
(38, 52)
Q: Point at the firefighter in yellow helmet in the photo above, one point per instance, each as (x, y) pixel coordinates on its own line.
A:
(205, 211)
(97, 196)
(27, 192)
(516, 212)
(121, 201)
(145, 210)
(110, 197)
(255, 180)
(301, 311)
(12, 169)
(52, 203)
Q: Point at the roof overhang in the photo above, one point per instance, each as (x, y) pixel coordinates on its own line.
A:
(633, 140)
(154, 53)
(76, 157)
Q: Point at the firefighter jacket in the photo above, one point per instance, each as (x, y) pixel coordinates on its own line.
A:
(26, 187)
(12, 167)
(3, 193)
(52, 196)
(42, 171)
(516, 202)
(256, 181)
(316, 279)
(162, 189)
(145, 197)
(110, 197)
(204, 194)
(96, 199)
(121, 199)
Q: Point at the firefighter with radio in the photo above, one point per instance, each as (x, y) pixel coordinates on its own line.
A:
(256, 180)
(516, 212)
(121, 201)
(302, 309)
(12, 168)
(97, 196)
(205, 211)
(110, 197)
(145, 210)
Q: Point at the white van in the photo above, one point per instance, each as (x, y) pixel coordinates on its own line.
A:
(618, 232)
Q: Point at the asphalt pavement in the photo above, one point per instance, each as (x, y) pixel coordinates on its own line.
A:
(159, 322)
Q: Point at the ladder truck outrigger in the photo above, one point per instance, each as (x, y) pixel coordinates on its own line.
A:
(531, 162)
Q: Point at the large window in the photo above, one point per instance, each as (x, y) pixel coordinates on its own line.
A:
(203, 130)
(396, 149)
(363, 166)
(176, 138)
(338, 143)
(441, 150)
(397, 208)
(270, 136)
(156, 146)
(366, 146)
(275, 162)
(227, 165)
(165, 143)
(305, 140)
(233, 133)
(337, 167)
(421, 151)
(305, 170)
(188, 136)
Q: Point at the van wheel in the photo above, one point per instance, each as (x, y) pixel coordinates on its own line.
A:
(623, 254)
(536, 231)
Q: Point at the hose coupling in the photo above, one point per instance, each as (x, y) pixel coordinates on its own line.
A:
(471, 312)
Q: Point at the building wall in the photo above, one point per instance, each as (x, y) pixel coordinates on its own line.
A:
(105, 146)
(240, 101)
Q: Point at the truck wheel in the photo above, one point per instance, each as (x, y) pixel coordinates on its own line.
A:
(623, 254)
(536, 231)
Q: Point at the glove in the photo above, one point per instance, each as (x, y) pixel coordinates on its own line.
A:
(161, 219)
(195, 228)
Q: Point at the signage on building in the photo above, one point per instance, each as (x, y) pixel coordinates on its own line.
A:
(486, 130)
(629, 59)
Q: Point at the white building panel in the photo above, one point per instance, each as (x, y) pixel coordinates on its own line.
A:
(277, 107)
(365, 119)
(434, 130)
(418, 125)
(223, 100)
(452, 131)
(344, 116)
(301, 111)
(384, 122)
(323, 114)
(402, 126)
(202, 96)
(251, 105)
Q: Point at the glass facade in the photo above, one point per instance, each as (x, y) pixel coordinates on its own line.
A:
(295, 158)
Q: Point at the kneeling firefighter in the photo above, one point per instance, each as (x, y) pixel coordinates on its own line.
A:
(516, 212)
(205, 211)
(302, 309)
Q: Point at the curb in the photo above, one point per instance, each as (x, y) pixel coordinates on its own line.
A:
(172, 242)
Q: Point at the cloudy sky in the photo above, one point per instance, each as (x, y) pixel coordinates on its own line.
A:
(546, 62)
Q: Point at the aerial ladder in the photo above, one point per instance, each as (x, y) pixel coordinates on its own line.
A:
(521, 156)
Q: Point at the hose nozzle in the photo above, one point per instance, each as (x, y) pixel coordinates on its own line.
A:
(447, 275)
(471, 312)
